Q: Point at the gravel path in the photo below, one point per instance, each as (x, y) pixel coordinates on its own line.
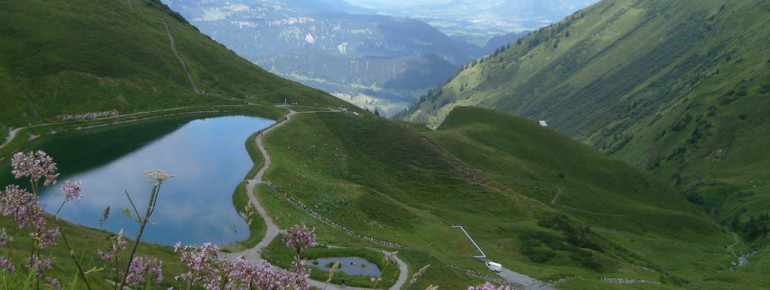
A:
(272, 229)
(556, 196)
(181, 61)
(10, 137)
(252, 254)
(524, 280)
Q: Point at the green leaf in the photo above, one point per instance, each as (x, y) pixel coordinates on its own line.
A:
(127, 213)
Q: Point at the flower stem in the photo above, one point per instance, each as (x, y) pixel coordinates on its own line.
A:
(142, 224)
(72, 254)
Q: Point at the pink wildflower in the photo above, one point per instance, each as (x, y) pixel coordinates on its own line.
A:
(202, 265)
(35, 166)
(143, 268)
(6, 263)
(299, 238)
(39, 265)
(14, 202)
(207, 271)
(72, 190)
(53, 283)
(27, 213)
(117, 246)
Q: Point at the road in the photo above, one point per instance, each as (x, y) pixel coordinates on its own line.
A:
(527, 281)
(252, 254)
(11, 135)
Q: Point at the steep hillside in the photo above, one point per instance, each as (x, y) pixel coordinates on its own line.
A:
(391, 183)
(123, 56)
(679, 88)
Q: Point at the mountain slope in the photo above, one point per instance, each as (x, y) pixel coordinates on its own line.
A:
(125, 55)
(617, 201)
(679, 88)
(386, 181)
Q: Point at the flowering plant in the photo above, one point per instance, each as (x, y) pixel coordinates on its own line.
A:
(28, 214)
(299, 238)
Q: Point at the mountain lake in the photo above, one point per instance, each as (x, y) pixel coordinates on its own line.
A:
(207, 155)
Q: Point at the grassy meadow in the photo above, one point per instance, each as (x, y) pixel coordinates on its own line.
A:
(386, 181)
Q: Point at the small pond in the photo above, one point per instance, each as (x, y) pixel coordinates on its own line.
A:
(207, 155)
(353, 266)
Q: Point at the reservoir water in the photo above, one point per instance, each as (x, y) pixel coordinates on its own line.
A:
(207, 155)
(354, 266)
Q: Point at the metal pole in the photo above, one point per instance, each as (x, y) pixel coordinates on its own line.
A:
(474, 243)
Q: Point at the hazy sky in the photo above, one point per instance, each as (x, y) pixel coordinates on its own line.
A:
(395, 2)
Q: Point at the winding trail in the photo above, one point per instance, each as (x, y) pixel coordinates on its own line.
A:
(173, 48)
(10, 137)
(253, 254)
(729, 248)
(556, 196)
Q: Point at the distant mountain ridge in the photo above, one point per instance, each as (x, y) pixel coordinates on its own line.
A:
(276, 26)
(477, 21)
(325, 6)
(279, 35)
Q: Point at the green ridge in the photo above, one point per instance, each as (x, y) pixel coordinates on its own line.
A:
(495, 175)
(54, 60)
(678, 88)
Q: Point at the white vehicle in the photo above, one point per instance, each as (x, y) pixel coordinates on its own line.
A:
(494, 267)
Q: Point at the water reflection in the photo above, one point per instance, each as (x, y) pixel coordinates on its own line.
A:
(353, 266)
(209, 159)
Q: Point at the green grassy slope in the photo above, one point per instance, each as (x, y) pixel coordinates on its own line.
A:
(518, 151)
(85, 242)
(384, 180)
(641, 216)
(679, 88)
(74, 57)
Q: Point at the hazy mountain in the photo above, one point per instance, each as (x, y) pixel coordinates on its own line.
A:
(324, 6)
(478, 21)
(680, 88)
(501, 40)
(281, 36)
(268, 27)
